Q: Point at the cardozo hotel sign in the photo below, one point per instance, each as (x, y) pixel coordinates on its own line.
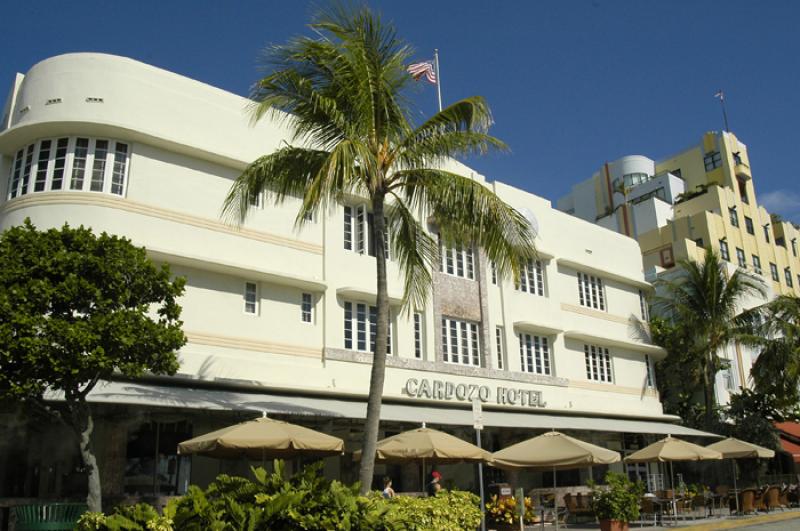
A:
(446, 391)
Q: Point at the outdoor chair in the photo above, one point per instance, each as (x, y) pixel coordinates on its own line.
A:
(647, 511)
(578, 506)
(48, 516)
(784, 497)
(772, 498)
(722, 496)
(758, 501)
(699, 506)
(747, 501)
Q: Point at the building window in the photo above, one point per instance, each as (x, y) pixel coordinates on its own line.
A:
(534, 354)
(729, 376)
(756, 264)
(699, 242)
(734, 216)
(774, 270)
(43, 165)
(643, 305)
(740, 258)
(460, 342)
(494, 272)
(794, 247)
(499, 341)
(590, 291)
(787, 273)
(748, 225)
(532, 278)
(457, 262)
(250, 298)
(723, 250)
(598, 363)
(306, 308)
(361, 327)
(418, 335)
(712, 160)
(650, 379)
(766, 232)
(665, 255)
(743, 190)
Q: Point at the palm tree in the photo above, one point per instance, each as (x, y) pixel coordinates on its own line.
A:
(776, 372)
(342, 97)
(705, 302)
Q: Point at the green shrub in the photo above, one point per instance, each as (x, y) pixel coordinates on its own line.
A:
(617, 500)
(306, 501)
(449, 510)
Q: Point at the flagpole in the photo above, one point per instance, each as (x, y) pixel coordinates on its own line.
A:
(724, 113)
(439, 77)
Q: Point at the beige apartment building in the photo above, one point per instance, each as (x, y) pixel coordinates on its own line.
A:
(675, 207)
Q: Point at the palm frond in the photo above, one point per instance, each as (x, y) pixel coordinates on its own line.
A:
(416, 252)
(467, 213)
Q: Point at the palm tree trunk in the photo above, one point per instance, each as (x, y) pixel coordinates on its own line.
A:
(709, 378)
(379, 357)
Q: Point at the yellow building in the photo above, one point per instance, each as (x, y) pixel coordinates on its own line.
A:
(701, 196)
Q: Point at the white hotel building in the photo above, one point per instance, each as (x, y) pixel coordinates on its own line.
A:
(278, 319)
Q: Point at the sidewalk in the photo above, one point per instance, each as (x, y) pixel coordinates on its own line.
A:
(790, 516)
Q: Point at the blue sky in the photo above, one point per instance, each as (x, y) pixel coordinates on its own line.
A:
(571, 83)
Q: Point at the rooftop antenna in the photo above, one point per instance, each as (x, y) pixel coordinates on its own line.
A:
(721, 95)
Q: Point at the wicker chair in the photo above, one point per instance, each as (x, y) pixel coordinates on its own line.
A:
(772, 498)
(747, 499)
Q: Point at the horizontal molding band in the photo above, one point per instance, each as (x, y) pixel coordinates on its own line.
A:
(594, 313)
(97, 199)
(612, 388)
(336, 354)
(199, 338)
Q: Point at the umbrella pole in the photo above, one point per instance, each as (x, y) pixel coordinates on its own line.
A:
(422, 475)
(674, 493)
(735, 490)
(555, 498)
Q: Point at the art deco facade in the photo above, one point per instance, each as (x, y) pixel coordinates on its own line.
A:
(280, 319)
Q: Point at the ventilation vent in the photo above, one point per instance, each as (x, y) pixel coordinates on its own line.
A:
(53, 101)
(25, 109)
(94, 100)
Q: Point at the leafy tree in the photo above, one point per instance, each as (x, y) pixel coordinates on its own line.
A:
(342, 96)
(77, 308)
(701, 306)
(776, 372)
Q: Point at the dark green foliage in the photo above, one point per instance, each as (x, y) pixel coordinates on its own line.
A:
(306, 501)
(75, 307)
(619, 499)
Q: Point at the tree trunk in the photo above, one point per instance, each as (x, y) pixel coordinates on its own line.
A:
(83, 425)
(709, 379)
(377, 375)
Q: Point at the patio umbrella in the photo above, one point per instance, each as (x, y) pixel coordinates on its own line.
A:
(669, 450)
(426, 444)
(262, 438)
(553, 451)
(733, 449)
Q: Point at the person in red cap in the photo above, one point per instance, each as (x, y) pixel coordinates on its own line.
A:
(435, 484)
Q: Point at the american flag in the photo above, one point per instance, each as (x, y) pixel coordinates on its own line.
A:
(425, 68)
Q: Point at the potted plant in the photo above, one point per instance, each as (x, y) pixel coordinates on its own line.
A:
(503, 513)
(616, 503)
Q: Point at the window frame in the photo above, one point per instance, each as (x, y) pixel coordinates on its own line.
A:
(363, 327)
(307, 308)
(773, 269)
(466, 345)
(255, 302)
(598, 362)
(535, 354)
(591, 292)
(724, 252)
(748, 225)
(532, 279)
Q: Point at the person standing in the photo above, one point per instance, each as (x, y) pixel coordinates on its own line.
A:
(388, 491)
(435, 484)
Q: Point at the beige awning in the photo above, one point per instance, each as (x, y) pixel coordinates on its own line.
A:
(425, 443)
(553, 450)
(210, 399)
(732, 448)
(263, 438)
(671, 449)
